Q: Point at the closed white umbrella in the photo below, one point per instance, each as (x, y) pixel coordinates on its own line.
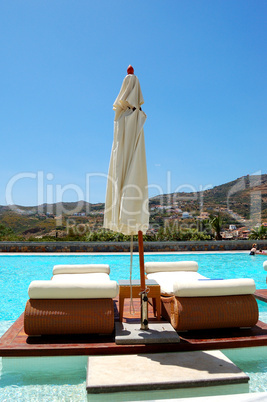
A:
(126, 208)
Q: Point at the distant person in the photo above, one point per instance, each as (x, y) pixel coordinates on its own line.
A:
(253, 251)
(264, 252)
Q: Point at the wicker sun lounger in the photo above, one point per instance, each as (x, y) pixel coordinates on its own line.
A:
(192, 302)
(78, 300)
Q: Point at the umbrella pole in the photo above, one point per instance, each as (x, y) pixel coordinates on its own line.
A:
(144, 298)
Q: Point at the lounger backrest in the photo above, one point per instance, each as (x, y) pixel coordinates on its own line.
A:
(81, 269)
(265, 265)
(170, 266)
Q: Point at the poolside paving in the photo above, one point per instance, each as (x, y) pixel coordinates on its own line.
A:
(161, 371)
(16, 343)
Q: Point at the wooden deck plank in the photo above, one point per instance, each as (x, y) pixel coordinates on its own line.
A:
(261, 294)
(16, 343)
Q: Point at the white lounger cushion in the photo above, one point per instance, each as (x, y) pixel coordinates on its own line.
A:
(166, 280)
(77, 290)
(265, 265)
(214, 287)
(99, 278)
(151, 267)
(81, 269)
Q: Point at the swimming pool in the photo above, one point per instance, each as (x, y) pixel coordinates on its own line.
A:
(63, 379)
(33, 379)
(17, 271)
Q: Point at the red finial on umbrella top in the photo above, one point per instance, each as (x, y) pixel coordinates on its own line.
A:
(130, 69)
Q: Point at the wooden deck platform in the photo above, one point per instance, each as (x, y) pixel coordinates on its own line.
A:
(16, 343)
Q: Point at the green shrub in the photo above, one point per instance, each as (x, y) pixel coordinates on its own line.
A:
(7, 234)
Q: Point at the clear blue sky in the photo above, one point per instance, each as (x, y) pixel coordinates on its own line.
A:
(202, 68)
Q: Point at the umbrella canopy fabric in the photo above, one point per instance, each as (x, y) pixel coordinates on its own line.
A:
(126, 208)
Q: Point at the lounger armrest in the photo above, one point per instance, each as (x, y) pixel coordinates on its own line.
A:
(225, 287)
(170, 266)
(81, 269)
(82, 290)
(265, 265)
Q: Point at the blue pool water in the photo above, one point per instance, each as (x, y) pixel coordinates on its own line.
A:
(63, 378)
(17, 271)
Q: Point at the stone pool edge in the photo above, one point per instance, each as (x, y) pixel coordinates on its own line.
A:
(121, 247)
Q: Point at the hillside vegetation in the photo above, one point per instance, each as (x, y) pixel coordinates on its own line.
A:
(241, 202)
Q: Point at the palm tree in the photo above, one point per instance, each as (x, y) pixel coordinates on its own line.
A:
(216, 224)
(258, 233)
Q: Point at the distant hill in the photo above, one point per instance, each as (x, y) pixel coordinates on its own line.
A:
(54, 209)
(237, 201)
(242, 196)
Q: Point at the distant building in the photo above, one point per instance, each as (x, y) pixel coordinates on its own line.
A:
(185, 215)
(232, 227)
(227, 235)
(243, 233)
(204, 215)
